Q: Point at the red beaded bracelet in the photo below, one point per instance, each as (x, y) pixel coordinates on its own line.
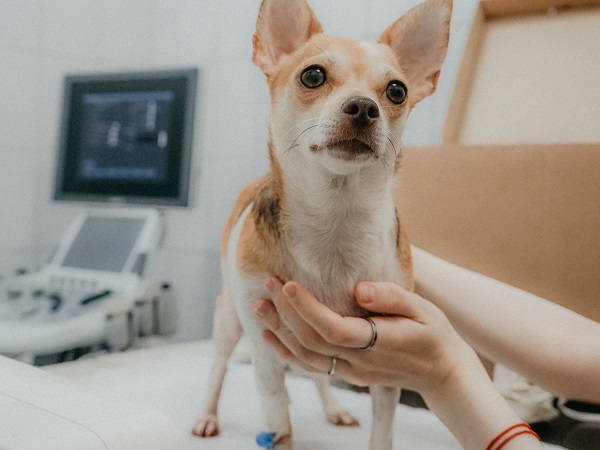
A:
(518, 429)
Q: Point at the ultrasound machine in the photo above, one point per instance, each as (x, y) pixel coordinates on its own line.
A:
(125, 144)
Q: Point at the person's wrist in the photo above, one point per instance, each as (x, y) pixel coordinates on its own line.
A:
(464, 371)
(468, 403)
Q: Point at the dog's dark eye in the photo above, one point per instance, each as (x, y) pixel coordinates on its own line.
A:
(396, 92)
(312, 77)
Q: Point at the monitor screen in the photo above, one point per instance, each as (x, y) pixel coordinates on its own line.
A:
(127, 138)
(103, 243)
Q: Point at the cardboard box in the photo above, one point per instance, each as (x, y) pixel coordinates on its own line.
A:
(530, 74)
(518, 200)
(525, 215)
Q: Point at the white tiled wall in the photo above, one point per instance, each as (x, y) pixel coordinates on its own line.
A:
(41, 40)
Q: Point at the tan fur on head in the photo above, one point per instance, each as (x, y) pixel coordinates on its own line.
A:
(282, 27)
(420, 41)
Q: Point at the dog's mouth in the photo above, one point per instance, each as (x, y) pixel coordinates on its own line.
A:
(348, 149)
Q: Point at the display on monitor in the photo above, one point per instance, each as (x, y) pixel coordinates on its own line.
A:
(109, 240)
(104, 243)
(127, 138)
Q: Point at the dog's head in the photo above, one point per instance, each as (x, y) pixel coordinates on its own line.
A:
(339, 104)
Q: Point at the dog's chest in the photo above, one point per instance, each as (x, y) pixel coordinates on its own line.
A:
(335, 250)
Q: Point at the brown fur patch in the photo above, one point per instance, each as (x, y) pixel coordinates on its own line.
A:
(262, 246)
(404, 256)
(244, 199)
(266, 210)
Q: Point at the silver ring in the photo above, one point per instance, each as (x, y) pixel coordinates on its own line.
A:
(333, 364)
(373, 334)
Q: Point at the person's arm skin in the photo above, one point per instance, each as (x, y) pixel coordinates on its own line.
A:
(549, 345)
(416, 348)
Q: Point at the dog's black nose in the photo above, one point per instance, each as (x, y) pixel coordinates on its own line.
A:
(363, 111)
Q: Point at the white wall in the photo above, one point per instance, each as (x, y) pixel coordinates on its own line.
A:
(41, 40)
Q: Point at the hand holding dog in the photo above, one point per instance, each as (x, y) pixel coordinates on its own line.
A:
(416, 348)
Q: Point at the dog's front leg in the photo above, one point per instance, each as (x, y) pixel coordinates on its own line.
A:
(269, 373)
(384, 402)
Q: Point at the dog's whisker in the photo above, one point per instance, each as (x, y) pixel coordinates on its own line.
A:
(296, 126)
(298, 137)
(390, 152)
(300, 124)
(291, 147)
(392, 146)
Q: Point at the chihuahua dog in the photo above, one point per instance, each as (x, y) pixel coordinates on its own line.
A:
(324, 215)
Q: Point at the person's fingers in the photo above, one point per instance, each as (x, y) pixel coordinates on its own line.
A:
(266, 312)
(349, 332)
(285, 344)
(389, 299)
(343, 369)
(302, 329)
(285, 353)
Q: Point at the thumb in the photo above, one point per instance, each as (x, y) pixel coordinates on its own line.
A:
(388, 298)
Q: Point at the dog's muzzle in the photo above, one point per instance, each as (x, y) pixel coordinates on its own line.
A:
(354, 132)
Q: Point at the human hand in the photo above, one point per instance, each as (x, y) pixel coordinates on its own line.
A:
(416, 348)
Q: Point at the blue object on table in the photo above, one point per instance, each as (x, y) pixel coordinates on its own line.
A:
(266, 440)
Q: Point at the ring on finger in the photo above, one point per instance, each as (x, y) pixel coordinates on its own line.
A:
(332, 368)
(373, 334)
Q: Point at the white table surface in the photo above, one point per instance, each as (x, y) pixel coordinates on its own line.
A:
(172, 380)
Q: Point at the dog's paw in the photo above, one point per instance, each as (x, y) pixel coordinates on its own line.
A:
(341, 418)
(206, 426)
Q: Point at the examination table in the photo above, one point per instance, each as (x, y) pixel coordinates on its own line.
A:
(150, 398)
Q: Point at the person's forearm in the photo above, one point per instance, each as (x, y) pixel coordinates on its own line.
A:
(473, 410)
(548, 344)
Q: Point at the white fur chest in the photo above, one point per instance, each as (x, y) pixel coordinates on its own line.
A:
(340, 235)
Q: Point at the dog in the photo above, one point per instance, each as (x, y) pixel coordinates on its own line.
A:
(324, 215)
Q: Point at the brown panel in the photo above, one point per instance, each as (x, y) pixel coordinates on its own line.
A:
(495, 8)
(526, 215)
(464, 79)
(549, 86)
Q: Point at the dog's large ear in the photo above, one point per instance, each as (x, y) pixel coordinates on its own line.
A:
(282, 27)
(420, 40)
